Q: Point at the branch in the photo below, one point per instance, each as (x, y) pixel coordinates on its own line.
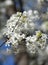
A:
(5, 40)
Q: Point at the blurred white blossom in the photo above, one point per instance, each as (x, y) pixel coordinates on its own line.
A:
(44, 26)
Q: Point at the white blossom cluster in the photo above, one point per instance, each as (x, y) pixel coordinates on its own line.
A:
(22, 21)
(36, 42)
(17, 28)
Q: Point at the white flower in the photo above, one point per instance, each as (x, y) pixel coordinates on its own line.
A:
(19, 14)
(25, 13)
(36, 12)
(44, 26)
(33, 39)
(20, 37)
(30, 13)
